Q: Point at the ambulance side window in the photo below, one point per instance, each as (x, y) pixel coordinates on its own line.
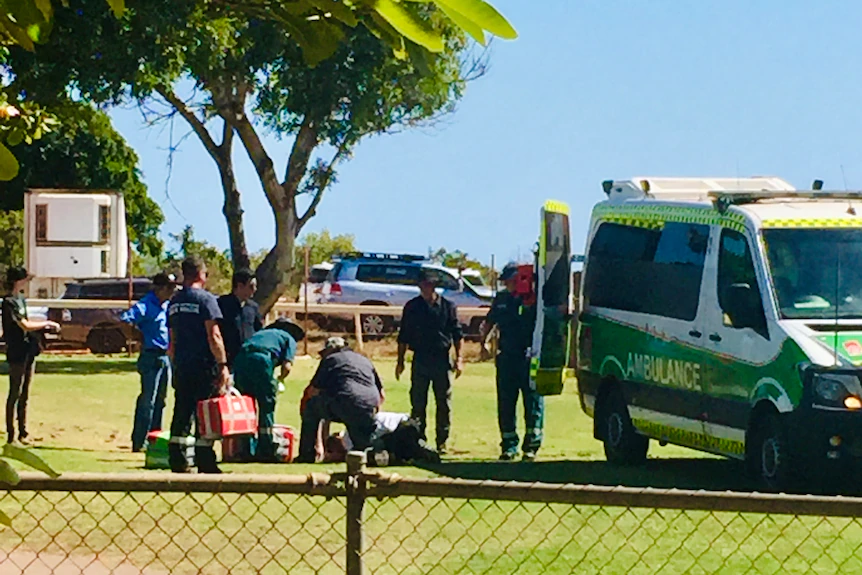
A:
(735, 267)
(652, 270)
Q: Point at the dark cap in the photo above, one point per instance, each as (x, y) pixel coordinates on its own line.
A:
(291, 327)
(16, 274)
(163, 279)
(427, 276)
(509, 271)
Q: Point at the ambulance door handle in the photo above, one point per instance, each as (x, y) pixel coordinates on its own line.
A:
(694, 333)
(715, 337)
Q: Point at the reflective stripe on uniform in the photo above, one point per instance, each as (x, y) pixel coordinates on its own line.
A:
(264, 431)
(509, 434)
(204, 442)
(182, 440)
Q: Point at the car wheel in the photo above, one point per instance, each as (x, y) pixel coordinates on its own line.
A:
(374, 326)
(768, 456)
(623, 444)
(106, 341)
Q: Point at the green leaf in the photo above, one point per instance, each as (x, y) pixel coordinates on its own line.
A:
(5, 520)
(338, 9)
(408, 24)
(420, 57)
(118, 6)
(464, 23)
(8, 164)
(26, 456)
(8, 475)
(46, 8)
(15, 137)
(19, 36)
(482, 14)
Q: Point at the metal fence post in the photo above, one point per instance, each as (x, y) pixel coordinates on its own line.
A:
(355, 503)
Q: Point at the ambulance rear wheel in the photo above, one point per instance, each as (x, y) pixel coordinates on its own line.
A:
(623, 444)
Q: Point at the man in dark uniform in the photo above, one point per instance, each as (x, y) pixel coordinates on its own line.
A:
(347, 389)
(430, 327)
(22, 346)
(254, 375)
(240, 314)
(200, 362)
(516, 323)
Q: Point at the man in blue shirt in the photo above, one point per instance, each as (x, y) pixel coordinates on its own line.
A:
(199, 361)
(150, 316)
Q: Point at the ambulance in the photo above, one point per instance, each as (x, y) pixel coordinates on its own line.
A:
(725, 315)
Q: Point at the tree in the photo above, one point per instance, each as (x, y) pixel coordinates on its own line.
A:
(84, 152)
(316, 26)
(460, 261)
(248, 77)
(219, 269)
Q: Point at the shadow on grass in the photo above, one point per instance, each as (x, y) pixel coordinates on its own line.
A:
(86, 366)
(694, 473)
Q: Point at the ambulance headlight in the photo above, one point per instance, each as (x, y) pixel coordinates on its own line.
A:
(833, 388)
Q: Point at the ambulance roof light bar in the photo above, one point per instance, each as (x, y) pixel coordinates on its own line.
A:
(725, 198)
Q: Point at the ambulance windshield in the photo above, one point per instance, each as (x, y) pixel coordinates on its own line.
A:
(816, 273)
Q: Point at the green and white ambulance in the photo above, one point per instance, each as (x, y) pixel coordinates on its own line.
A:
(725, 315)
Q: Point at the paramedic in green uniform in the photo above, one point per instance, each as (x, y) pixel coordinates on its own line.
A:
(516, 323)
(254, 375)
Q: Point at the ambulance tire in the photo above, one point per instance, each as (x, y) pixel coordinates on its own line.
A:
(768, 458)
(623, 444)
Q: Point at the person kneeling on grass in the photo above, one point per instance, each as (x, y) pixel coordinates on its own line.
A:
(347, 389)
(254, 375)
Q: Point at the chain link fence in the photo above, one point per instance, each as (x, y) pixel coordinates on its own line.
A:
(363, 522)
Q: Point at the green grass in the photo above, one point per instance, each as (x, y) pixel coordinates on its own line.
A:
(81, 411)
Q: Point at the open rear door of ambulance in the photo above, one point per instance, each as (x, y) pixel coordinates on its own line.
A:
(551, 338)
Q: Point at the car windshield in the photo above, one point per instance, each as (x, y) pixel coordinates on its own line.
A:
(473, 280)
(816, 273)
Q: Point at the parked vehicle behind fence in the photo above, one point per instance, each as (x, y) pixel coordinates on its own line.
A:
(391, 280)
(100, 330)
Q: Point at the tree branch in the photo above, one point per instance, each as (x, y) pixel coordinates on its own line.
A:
(190, 117)
(234, 114)
(323, 184)
(300, 155)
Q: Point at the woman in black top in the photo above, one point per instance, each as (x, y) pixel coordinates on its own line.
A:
(21, 349)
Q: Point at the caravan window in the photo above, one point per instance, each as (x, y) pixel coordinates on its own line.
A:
(647, 270)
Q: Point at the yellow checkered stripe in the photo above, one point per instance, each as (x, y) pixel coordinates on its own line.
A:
(655, 217)
(813, 223)
(689, 438)
(556, 207)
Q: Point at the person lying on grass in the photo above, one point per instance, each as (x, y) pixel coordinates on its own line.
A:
(395, 434)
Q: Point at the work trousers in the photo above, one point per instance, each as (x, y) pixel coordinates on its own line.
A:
(513, 378)
(435, 375)
(254, 376)
(191, 388)
(155, 369)
(20, 377)
(358, 420)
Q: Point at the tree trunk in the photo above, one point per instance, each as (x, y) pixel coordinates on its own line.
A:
(232, 211)
(272, 273)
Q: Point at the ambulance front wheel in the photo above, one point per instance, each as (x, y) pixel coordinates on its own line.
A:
(768, 457)
(623, 444)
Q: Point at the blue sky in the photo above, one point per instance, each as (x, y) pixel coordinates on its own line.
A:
(592, 90)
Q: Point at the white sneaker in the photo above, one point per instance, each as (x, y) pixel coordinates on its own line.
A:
(280, 387)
